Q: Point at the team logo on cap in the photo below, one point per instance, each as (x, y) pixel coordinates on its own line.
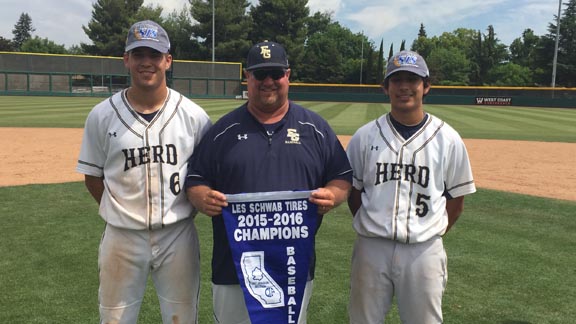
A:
(406, 59)
(146, 32)
(265, 52)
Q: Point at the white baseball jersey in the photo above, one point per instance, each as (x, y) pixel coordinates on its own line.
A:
(143, 163)
(403, 181)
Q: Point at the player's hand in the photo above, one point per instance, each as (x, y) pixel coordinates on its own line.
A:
(206, 200)
(324, 198)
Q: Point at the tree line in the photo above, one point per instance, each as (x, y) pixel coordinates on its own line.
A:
(320, 49)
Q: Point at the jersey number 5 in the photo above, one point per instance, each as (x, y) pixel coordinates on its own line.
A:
(422, 203)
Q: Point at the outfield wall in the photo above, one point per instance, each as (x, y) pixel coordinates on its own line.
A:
(448, 95)
(73, 75)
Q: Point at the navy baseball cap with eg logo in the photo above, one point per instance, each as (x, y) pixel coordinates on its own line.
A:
(407, 61)
(147, 34)
(266, 55)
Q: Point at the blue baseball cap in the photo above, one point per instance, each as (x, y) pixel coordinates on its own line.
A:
(147, 34)
(266, 55)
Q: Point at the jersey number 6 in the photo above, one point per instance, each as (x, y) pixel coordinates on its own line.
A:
(175, 184)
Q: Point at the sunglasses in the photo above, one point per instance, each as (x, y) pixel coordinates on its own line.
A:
(275, 74)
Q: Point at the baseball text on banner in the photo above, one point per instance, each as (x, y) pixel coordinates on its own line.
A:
(271, 236)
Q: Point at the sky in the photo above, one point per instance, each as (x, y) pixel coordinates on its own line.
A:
(392, 21)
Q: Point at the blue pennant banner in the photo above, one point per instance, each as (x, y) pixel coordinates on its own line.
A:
(271, 235)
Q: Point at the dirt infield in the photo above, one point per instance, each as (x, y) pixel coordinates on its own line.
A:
(49, 155)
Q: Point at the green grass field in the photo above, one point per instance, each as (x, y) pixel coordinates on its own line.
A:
(511, 257)
(487, 122)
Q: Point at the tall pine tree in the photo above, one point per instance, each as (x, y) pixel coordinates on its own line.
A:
(109, 25)
(380, 67)
(566, 66)
(232, 27)
(22, 31)
(285, 22)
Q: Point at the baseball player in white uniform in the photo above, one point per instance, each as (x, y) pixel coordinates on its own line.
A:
(411, 173)
(134, 155)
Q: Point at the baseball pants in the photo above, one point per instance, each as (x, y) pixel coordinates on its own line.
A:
(170, 255)
(415, 273)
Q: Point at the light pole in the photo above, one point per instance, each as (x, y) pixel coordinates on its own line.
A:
(213, 28)
(555, 61)
(362, 57)
(211, 84)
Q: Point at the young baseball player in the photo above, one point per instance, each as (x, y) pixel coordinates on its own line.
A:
(267, 144)
(134, 156)
(411, 173)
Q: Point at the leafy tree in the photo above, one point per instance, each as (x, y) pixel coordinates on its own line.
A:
(523, 51)
(285, 22)
(76, 50)
(321, 50)
(544, 54)
(318, 22)
(472, 44)
(448, 66)
(42, 45)
(109, 25)
(231, 35)
(460, 37)
(324, 61)
(510, 74)
(332, 52)
(6, 45)
(356, 61)
(183, 46)
(22, 30)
